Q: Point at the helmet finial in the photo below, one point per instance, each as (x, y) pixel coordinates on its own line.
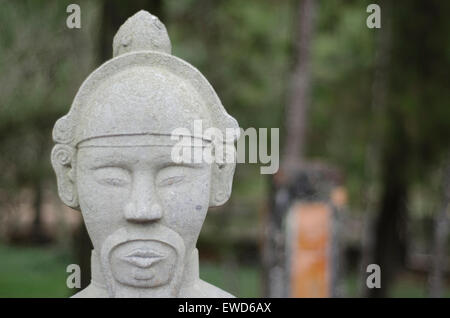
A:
(142, 32)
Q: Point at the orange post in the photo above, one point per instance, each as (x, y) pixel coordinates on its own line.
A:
(309, 231)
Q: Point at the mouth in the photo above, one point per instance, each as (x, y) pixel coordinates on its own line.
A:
(143, 258)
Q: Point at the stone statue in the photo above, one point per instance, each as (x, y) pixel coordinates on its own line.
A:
(113, 162)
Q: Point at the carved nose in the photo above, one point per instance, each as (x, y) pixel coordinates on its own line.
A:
(142, 213)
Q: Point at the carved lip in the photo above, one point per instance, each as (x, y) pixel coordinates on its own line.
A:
(143, 258)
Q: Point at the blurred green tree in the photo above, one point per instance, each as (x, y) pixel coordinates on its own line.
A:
(39, 61)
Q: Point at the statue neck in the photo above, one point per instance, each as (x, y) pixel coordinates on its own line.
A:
(190, 273)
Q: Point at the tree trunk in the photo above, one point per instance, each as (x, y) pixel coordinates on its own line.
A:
(37, 234)
(380, 93)
(390, 226)
(296, 111)
(441, 229)
(274, 259)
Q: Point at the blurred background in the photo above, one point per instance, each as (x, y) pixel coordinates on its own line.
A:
(364, 120)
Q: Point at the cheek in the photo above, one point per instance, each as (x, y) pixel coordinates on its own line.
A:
(185, 207)
(101, 207)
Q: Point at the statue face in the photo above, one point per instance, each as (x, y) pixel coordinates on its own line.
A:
(146, 205)
(143, 212)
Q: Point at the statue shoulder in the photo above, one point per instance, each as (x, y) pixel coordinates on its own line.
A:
(201, 289)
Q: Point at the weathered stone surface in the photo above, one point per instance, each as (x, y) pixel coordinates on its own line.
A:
(113, 162)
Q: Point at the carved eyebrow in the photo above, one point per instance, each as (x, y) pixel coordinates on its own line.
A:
(121, 160)
(166, 161)
(114, 160)
(182, 164)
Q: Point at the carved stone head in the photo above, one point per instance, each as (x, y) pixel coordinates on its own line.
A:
(113, 160)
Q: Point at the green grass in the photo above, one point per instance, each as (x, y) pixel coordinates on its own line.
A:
(41, 272)
(406, 286)
(410, 287)
(240, 281)
(33, 272)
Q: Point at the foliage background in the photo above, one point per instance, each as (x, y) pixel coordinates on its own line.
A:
(246, 50)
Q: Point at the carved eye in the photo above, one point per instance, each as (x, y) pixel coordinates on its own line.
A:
(170, 181)
(170, 176)
(114, 182)
(112, 176)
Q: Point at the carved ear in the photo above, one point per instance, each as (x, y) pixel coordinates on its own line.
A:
(221, 183)
(62, 161)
